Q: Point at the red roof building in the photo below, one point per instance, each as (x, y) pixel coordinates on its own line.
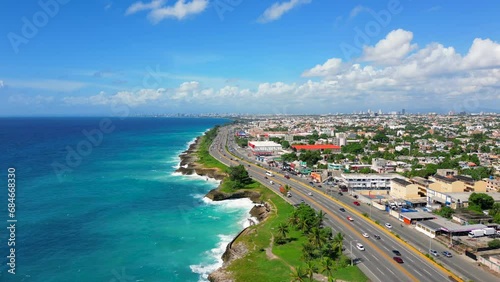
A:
(333, 148)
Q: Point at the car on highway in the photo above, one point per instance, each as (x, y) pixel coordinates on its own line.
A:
(265, 177)
(340, 193)
(319, 186)
(350, 218)
(396, 252)
(287, 176)
(356, 203)
(388, 225)
(434, 253)
(310, 182)
(447, 254)
(302, 201)
(310, 194)
(360, 246)
(342, 209)
(248, 165)
(398, 259)
(366, 235)
(271, 182)
(376, 237)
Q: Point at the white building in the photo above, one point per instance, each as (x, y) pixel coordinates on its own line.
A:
(264, 148)
(372, 181)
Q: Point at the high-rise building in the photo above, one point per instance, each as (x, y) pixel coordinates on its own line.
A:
(403, 112)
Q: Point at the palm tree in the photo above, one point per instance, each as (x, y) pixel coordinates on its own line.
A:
(294, 217)
(327, 266)
(316, 237)
(338, 241)
(303, 225)
(287, 188)
(307, 251)
(310, 270)
(298, 274)
(320, 216)
(282, 230)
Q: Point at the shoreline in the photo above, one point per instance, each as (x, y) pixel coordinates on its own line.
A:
(189, 165)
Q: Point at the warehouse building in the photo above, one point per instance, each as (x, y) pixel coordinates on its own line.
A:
(264, 148)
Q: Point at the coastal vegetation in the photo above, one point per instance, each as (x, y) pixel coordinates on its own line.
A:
(203, 153)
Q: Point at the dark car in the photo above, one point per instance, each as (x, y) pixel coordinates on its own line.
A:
(340, 193)
(287, 176)
(265, 177)
(376, 237)
(355, 196)
(396, 252)
(342, 209)
(248, 165)
(310, 182)
(319, 186)
(398, 259)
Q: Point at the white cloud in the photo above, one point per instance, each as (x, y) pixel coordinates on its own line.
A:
(330, 67)
(279, 9)
(158, 12)
(390, 50)
(30, 100)
(46, 84)
(434, 76)
(1, 83)
(141, 6)
(357, 10)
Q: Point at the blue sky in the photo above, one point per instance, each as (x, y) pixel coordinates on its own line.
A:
(72, 57)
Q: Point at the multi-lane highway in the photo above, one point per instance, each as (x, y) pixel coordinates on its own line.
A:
(377, 260)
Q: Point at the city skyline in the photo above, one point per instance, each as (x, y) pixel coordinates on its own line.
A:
(66, 57)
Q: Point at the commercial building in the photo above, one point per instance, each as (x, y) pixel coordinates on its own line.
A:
(456, 183)
(372, 181)
(402, 188)
(422, 185)
(332, 148)
(264, 148)
(454, 199)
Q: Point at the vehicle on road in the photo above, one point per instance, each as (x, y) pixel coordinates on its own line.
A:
(342, 209)
(350, 218)
(366, 235)
(272, 183)
(355, 196)
(248, 165)
(310, 182)
(388, 225)
(265, 177)
(319, 186)
(268, 173)
(356, 203)
(376, 237)
(340, 193)
(310, 194)
(447, 254)
(302, 201)
(434, 253)
(398, 259)
(476, 233)
(360, 247)
(287, 176)
(396, 252)
(288, 194)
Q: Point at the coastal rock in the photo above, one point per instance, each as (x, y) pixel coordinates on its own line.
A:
(217, 195)
(233, 252)
(260, 212)
(189, 165)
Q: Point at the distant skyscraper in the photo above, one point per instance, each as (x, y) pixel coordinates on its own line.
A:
(403, 111)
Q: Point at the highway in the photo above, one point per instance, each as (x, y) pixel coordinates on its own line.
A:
(377, 259)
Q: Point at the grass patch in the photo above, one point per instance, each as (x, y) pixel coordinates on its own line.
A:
(350, 273)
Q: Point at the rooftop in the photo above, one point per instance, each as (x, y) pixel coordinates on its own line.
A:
(401, 181)
(448, 226)
(264, 143)
(315, 147)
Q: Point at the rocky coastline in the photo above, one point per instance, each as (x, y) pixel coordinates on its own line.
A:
(189, 165)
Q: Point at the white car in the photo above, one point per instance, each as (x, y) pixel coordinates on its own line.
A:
(366, 235)
(310, 194)
(360, 247)
(388, 225)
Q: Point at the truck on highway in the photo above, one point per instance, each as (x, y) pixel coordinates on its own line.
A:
(476, 233)
(489, 231)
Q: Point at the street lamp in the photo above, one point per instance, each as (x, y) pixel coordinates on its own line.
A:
(350, 243)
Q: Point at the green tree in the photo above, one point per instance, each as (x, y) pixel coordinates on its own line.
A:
(494, 244)
(310, 270)
(298, 274)
(285, 144)
(282, 230)
(316, 238)
(239, 175)
(365, 170)
(338, 242)
(327, 266)
(445, 212)
(353, 148)
(481, 200)
(381, 137)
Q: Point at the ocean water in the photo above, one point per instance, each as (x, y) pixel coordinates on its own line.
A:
(109, 207)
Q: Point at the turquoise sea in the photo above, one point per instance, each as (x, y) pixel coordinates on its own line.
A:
(110, 209)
